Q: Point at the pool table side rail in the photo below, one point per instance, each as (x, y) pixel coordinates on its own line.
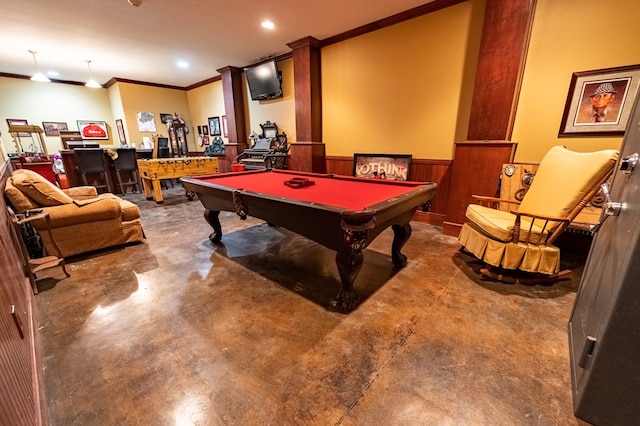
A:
(195, 185)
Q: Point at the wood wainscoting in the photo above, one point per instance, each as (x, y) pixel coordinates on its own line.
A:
(22, 400)
(422, 170)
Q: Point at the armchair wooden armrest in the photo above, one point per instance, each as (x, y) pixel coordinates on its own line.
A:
(492, 201)
(537, 216)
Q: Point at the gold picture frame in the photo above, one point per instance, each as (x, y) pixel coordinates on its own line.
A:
(600, 101)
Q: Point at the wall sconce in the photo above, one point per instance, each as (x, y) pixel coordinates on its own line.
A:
(92, 83)
(38, 76)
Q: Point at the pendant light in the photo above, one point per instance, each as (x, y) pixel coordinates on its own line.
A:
(38, 76)
(92, 83)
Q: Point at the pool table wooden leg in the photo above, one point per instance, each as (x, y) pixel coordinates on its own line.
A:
(213, 219)
(348, 267)
(401, 234)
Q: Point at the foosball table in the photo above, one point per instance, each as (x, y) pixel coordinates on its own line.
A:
(153, 171)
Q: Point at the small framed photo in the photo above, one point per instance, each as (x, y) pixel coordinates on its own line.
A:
(52, 128)
(214, 126)
(205, 140)
(225, 132)
(121, 135)
(18, 122)
(599, 101)
(165, 118)
(382, 166)
(93, 129)
(205, 129)
(199, 130)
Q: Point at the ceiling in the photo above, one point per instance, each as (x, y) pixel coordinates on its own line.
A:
(145, 43)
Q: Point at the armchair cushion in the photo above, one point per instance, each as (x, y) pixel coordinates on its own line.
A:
(575, 172)
(128, 210)
(17, 199)
(81, 192)
(39, 189)
(72, 214)
(499, 224)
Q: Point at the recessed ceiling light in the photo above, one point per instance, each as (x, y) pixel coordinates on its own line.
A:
(268, 25)
(182, 64)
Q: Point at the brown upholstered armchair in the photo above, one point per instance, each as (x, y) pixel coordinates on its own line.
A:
(81, 220)
(523, 237)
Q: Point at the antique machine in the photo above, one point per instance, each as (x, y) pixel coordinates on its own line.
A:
(268, 150)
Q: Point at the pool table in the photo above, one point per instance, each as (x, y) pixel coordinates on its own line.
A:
(342, 213)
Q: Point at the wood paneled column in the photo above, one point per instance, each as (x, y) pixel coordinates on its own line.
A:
(477, 163)
(503, 49)
(234, 109)
(308, 153)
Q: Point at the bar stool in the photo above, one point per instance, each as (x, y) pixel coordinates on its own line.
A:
(90, 161)
(127, 162)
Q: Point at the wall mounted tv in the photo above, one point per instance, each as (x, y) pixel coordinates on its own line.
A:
(265, 81)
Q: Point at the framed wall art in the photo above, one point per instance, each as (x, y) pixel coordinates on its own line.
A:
(52, 128)
(121, 135)
(214, 126)
(93, 129)
(599, 102)
(18, 122)
(165, 118)
(382, 166)
(225, 132)
(146, 122)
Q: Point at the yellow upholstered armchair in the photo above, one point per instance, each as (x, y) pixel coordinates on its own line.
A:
(80, 219)
(523, 237)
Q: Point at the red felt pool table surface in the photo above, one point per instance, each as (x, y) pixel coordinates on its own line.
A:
(339, 191)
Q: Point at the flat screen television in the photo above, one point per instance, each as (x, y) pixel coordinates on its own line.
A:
(265, 81)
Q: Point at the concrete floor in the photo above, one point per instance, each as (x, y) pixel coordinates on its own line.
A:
(175, 331)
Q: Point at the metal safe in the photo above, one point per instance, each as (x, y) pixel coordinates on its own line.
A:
(604, 328)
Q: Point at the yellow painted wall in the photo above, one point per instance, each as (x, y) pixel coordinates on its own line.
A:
(282, 110)
(401, 89)
(140, 98)
(117, 111)
(38, 102)
(570, 36)
(204, 102)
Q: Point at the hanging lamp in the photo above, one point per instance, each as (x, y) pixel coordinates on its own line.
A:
(38, 76)
(92, 83)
